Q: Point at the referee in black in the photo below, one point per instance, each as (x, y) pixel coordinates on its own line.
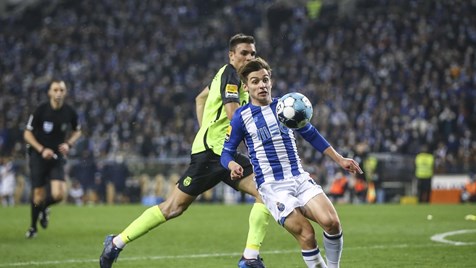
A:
(48, 142)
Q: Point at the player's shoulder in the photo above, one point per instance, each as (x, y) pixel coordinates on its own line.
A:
(228, 68)
(240, 109)
(69, 108)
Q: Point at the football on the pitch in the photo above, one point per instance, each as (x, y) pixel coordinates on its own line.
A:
(294, 110)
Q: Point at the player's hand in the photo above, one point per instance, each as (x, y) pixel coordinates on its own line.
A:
(236, 170)
(64, 148)
(48, 154)
(351, 166)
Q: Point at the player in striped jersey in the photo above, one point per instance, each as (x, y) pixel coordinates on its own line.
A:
(215, 106)
(291, 195)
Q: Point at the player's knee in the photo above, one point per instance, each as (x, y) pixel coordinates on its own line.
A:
(57, 196)
(332, 226)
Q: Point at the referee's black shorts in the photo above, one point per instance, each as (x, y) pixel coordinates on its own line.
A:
(42, 171)
(205, 171)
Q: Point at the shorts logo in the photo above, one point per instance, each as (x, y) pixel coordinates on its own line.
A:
(47, 126)
(231, 91)
(187, 181)
(228, 133)
(280, 206)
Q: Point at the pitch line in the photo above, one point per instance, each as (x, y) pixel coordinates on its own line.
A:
(198, 256)
(442, 238)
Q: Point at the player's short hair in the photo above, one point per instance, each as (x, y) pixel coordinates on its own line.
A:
(253, 66)
(59, 81)
(239, 39)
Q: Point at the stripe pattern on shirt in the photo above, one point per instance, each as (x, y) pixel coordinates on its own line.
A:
(272, 147)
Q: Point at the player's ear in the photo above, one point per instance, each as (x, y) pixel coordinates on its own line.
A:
(245, 87)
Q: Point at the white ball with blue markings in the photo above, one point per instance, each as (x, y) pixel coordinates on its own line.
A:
(294, 110)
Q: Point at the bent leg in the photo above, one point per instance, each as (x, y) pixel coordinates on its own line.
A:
(302, 230)
(154, 216)
(57, 193)
(258, 219)
(321, 210)
(37, 199)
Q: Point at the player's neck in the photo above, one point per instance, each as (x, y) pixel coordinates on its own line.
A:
(56, 105)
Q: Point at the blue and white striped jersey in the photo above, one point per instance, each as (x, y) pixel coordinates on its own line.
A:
(271, 146)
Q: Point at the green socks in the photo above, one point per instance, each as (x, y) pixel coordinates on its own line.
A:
(151, 218)
(258, 221)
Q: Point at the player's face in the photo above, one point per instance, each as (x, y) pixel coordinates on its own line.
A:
(243, 53)
(57, 92)
(259, 87)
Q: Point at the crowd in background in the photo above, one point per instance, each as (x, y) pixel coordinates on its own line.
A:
(393, 75)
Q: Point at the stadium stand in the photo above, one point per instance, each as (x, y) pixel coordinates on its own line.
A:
(392, 74)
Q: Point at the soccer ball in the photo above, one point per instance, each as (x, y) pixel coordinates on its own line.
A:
(294, 110)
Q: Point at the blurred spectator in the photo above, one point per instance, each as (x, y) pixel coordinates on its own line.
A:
(469, 191)
(7, 181)
(375, 192)
(114, 175)
(424, 168)
(85, 172)
(338, 187)
(76, 193)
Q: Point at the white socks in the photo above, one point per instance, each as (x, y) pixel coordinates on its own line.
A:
(333, 245)
(313, 258)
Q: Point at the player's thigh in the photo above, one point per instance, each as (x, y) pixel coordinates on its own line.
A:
(203, 173)
(248, 186)
(321, 210)
(38, 171)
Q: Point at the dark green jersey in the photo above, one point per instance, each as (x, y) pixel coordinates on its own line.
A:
(225, 87)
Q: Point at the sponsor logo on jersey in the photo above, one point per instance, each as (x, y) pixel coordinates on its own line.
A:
(47, 126)
(187, 181)
(231, 91)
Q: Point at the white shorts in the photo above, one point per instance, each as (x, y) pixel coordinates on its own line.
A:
(282, 197)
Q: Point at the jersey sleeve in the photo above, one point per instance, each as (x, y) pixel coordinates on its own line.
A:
(234, 136)
(34, 119)
(312, 135)
(230, 85)
(75, 125)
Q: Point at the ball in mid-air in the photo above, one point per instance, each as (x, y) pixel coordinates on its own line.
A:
(294, 110)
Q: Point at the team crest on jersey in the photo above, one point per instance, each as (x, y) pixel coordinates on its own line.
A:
(280, 206)
(187, 181)
(231, 91)
(228, 133)
(47, 126)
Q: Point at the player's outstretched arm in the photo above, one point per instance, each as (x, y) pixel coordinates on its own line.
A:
(346, 163)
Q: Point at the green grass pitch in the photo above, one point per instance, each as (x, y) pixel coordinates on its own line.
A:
(209, 236)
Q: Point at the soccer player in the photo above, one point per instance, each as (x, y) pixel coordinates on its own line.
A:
(215, 106)
(45, 134)
(291, 195)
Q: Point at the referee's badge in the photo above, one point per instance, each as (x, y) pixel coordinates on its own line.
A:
(47, 126)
